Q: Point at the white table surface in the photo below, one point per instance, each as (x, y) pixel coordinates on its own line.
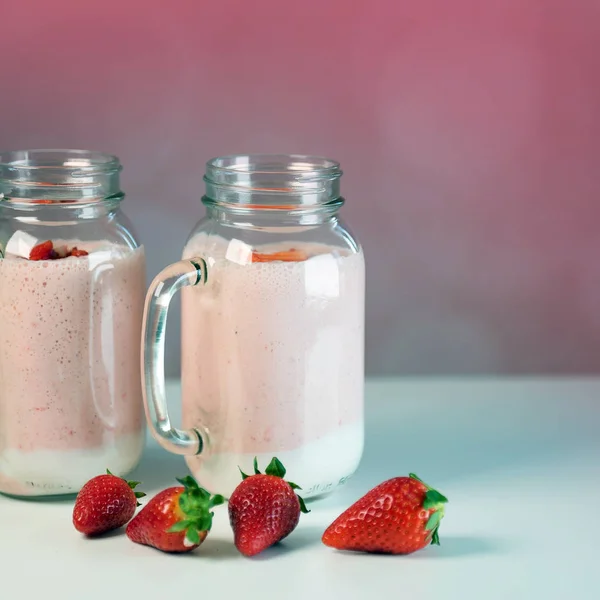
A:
(518, 459)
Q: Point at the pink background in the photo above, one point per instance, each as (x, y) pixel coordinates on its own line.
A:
(468, 132)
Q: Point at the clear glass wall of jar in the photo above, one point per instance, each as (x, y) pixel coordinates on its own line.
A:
(272, 328)
(72, 285)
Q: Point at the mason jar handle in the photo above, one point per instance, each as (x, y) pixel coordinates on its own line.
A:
(166, 284)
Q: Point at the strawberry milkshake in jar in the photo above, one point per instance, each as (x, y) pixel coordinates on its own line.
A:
(273, 290)
(72, 285)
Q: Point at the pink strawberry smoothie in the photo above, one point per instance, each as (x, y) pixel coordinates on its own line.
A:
(70, 391)
(273, 362)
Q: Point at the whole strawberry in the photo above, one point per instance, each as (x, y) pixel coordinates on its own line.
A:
(399, 516)
(105, 502)
(264, 509)
(177, 519)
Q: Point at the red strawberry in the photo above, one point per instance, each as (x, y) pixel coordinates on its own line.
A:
(264, 509)
(177, 519)
(399, 516)
(42, 251)
(105, 502)
(76, 252)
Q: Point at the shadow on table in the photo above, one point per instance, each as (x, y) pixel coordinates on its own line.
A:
(215, 548)
(303, 537)
(452, 547)
(460, 546)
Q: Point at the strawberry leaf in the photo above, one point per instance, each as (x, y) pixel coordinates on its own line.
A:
(188, 482)
(133, 484)
(179, 526)
(294, 486)
(195, 503)
(185, 503)
(216, 500)
(205, 522)
(192, 535)
(275, 468)
(302, 505)
(435, 538)
(244, 476)
(433, 499)
(434, 520)
(139, 494)
(256, 471)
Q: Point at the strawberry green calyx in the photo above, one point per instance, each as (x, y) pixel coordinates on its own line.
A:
(436, 502)
(195, 503)
(276, 469)
(132, 485)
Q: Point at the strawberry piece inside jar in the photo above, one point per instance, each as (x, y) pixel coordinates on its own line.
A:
(43, 251)
(291, 255)
(47, 251)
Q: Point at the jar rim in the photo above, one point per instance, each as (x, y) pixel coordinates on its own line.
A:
(276, 182)
(56, 176)
(298, 166)
(86, 161)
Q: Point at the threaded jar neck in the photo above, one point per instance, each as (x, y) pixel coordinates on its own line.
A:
(284, 183)
(31, 177)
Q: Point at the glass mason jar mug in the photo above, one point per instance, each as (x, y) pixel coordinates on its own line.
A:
(72, 286)
(273, 288)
